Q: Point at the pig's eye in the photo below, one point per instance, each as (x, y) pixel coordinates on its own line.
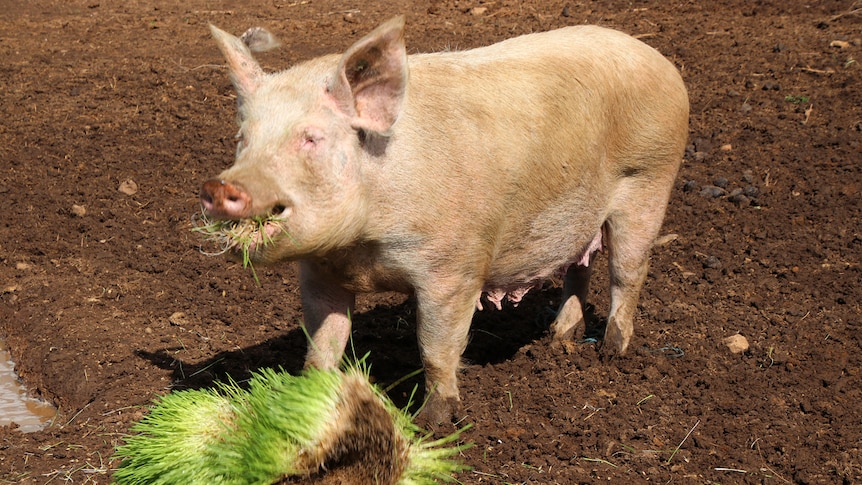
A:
(311, 138)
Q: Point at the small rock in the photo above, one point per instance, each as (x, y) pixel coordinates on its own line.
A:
(128, 187)
(179, 319)
(839, 44)
(748, 176)
(721, 182)
(79, 210)
(736, 343)
(478, 10)
(689, 185)
(665, 239)
(751, 191)
(712, 191)
(737, 198)
(712, 262)
(258, 39)
(727, 147)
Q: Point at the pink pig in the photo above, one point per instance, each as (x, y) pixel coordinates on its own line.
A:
(456, 174)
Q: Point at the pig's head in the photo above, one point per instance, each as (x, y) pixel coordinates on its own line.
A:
(303, 141)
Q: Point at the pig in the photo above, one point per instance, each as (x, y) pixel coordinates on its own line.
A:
(458, 177)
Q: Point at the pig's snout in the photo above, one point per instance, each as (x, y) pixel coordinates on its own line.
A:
(223, 199)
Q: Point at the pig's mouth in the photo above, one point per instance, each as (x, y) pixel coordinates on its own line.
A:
(243, 238)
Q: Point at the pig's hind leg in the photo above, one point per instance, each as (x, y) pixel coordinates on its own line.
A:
(631, 231)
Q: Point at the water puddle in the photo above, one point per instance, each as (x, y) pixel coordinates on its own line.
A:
(15, 405)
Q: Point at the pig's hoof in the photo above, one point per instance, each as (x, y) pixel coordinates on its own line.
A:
(607, 353)
(438, 414)
(610, 350)
(565, 334)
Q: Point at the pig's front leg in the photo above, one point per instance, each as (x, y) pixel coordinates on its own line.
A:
(445, 311)
(326, 309)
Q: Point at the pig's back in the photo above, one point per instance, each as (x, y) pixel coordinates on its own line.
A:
(589, 55)
(537, 92)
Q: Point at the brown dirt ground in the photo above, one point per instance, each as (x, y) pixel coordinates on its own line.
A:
(106, 310)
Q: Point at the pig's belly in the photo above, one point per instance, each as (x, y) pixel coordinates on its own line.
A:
(513, 287)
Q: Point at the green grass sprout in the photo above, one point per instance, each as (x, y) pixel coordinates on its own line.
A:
(174, 441)
(796, 99)
(645, 399)
(243, 236)
(281, 425)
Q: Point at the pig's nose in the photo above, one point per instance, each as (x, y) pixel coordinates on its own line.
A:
(221, 198)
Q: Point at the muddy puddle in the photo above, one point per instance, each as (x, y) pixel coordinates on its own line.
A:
(16, 406)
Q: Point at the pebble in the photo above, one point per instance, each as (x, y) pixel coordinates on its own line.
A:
(736, 343)
(741, 196)
(712, 262)
(128, 187)
(739, 199)
(712, 191)
(179, 319)
(259, 39)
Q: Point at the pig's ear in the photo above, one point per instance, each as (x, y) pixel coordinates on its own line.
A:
(245, 72)
(371, 78)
